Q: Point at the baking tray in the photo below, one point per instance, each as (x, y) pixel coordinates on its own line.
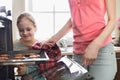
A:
(26, 59)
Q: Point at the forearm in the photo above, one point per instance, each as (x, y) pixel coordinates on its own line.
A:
(105, 34)
(111, 12)
(63, 31)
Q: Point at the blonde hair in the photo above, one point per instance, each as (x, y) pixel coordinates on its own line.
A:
(26, 15)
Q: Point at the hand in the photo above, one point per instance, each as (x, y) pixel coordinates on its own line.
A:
(90, 55)
(44, 45)
(21, 69)
(52, 40)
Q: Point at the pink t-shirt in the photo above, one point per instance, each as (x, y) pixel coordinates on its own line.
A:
(88, 22)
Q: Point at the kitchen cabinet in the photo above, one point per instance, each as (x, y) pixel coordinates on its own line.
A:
(117, 77)
(6, 72)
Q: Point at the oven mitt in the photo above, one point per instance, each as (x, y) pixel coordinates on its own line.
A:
(53, 52)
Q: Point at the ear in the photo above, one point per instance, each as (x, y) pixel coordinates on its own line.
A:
(35, 29)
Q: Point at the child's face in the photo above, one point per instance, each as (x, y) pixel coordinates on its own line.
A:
(26, 29)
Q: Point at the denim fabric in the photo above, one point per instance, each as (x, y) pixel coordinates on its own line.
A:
(105, 66)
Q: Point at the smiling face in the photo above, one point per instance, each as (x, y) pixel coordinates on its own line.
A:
(26, 29)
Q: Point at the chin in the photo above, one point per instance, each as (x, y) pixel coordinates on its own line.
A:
(27, 39)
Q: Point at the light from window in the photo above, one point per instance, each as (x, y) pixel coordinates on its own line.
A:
(50, 16)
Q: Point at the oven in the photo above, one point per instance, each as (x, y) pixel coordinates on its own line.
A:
(6, 72)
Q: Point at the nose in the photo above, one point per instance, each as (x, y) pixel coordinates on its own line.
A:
(24, 32)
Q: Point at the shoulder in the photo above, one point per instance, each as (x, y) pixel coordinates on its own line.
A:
(16, 42)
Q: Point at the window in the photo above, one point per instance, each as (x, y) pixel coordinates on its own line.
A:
(50, 16)
(6, 8)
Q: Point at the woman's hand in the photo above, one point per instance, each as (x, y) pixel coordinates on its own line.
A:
(90, 55)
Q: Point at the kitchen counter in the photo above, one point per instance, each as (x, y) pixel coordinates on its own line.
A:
(117, 49)
(67, 52)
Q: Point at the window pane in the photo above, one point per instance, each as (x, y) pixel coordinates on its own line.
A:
(60, 20)
(44, 22)
(61, 5)
(50, 16)
(42, 5)
(7, 4)
(6, 7)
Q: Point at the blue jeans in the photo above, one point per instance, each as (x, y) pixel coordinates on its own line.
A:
(105, 66)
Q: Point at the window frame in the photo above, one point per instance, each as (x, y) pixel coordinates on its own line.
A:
(29, 7)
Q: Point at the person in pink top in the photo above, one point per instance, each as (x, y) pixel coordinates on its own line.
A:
(92, 45)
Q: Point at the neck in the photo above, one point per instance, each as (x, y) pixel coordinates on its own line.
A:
(28, 43)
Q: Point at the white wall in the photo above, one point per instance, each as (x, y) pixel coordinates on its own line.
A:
(116, 31)
(18, 6)
(118, 8)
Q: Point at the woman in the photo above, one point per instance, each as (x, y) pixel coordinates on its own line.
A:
(92, 45)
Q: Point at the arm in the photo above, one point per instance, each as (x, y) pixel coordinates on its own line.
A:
(92, 49)
(111, 10)
(66, 28)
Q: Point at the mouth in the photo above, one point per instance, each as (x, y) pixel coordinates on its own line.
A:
(25, 37)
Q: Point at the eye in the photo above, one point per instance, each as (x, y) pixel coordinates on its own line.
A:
(28, 29)
(21, 30)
